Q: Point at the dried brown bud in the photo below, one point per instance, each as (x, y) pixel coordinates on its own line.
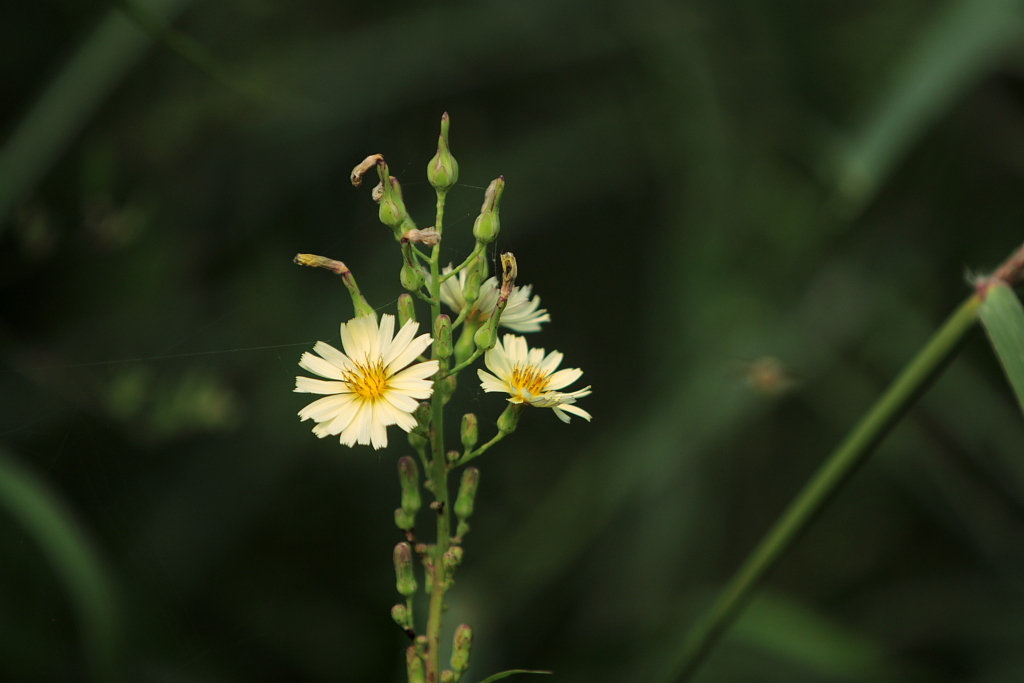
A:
(314, 261)
(509, 271)
(378, 192)
(427, 236)
(364, 166)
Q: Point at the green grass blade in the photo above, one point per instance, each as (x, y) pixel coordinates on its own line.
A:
(1002, 316)
(954, 52)
(506, 674)
(53, 528)
(53, 122)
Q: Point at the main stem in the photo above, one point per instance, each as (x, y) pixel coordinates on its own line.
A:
(438, 477)
(858, 445)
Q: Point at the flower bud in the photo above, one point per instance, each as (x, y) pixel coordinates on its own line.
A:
(487, 225)
(447, 676)
(365, 165)
(412, 277)
(417, 440)
(469, 432)
(476, 273)
(442, 337)
(401, 616)
(446, 387)
(467, 493)
(451, 559)
(443, 170)
(428, 570)
(404, 521)
(406, 309)
(427, 236)
(466, 345)
(460, 650)
(509, 271)
(392, 211)
(405, 578)
(409, 478)
(422, 414)
(487, 336)
(414, 666)
(509, 418)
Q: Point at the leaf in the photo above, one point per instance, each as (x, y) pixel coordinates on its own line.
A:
(48, 522)
(963, 43)
(1003, 319)
(506, 674)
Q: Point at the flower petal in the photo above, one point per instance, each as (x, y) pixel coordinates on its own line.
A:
(319, 366)
(564, 378)
(308, 385)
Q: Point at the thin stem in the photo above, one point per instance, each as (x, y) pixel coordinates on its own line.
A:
(850, 454)
(464, 364)
(480, 451)
(477, 250)
(439, 477)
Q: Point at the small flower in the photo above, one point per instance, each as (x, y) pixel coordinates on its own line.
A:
(528, 376)
(369, 385)
(520, 315)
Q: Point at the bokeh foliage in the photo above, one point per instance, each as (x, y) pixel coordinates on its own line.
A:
(694, 188)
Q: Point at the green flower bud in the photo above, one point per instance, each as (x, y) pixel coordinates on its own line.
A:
(409, 478)
(405, 578)
(401, 616)
(392, 211)
(428, 570)
(453, 456)
(442, 336)
(404, 521)
(476, 273)
(487, 336)
(414, 666)
(487, 225)
(422, 414)
(443, 170)
(460, 649)
(467, 493)
(412, 277)
(447, 676)
(508, 420)
(420, 645)
(451, 559)
(406, 309)
(447, 387)
(469, 432)
(417, 440)
(466, 345)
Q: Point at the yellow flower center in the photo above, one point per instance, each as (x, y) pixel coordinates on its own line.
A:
(529, 379)
(368, 381)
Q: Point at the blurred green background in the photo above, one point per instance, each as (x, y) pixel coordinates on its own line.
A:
(744, 218)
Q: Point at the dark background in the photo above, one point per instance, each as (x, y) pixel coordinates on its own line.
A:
(693, 188)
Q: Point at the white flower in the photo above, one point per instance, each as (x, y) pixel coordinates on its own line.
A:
(368, 389)
(528, 376)
(520, 315)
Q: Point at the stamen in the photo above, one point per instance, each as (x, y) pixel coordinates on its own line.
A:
(368, 381)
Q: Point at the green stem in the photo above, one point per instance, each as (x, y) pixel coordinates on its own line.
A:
(464, 364)
(439, 479)
(850, 454)
(480, 451)
(477, 250)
